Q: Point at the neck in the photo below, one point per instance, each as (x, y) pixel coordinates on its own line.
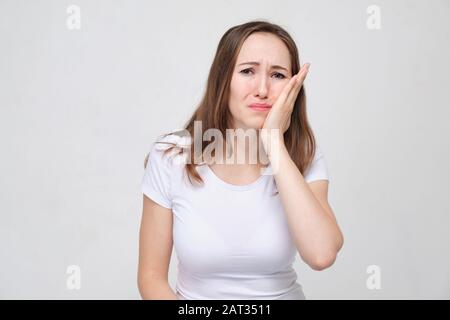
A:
(245, 150)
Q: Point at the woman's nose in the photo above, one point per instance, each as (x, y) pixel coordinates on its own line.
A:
(262, 86)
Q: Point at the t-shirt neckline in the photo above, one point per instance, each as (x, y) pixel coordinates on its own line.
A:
(237, 187)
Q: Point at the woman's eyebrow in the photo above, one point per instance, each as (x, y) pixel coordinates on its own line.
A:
(257, 64)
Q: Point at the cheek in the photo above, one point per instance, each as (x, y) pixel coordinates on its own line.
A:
(239, 92)
(240, 88)
(277, 88)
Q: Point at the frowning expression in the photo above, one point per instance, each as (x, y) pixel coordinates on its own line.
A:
(262, 69)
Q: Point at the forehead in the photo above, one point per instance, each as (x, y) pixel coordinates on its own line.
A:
(263, 47)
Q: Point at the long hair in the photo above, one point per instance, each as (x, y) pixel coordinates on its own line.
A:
(213, 110)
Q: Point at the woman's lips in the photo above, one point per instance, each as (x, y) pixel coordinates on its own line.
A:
(260, 107)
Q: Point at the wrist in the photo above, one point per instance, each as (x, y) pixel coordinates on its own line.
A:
(274, 148)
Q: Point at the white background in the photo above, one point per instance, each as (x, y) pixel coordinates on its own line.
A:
(79, 110)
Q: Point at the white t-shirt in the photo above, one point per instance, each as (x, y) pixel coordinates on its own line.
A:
(232, 241)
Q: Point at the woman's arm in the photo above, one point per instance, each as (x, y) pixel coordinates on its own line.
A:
(311, 221)
(155, 249)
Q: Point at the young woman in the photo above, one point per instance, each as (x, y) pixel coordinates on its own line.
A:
(237, 226)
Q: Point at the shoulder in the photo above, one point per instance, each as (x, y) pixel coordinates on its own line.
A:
(171, 139)
(318, 168)
(318, 153)
(167, 150)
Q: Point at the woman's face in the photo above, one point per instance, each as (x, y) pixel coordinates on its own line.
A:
(260, 81)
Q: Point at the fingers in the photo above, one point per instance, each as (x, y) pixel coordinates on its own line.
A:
(288, 88)
(291, 89)
(299, 78)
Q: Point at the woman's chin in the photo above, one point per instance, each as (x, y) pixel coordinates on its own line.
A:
(257, 124)
(254, 124)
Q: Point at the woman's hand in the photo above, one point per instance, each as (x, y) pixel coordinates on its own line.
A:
(279, 116)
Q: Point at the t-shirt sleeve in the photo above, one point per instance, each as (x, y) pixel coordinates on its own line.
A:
(318, 169)
(156, 180)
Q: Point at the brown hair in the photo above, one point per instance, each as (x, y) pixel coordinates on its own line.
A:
(213, 110)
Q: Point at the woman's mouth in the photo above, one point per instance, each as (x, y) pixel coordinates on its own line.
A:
(260, 106)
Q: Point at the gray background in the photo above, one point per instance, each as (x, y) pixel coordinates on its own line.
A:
(79, 110)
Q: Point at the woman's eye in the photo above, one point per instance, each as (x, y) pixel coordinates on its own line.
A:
(245, 71)
(277, 74)
(280, 75)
